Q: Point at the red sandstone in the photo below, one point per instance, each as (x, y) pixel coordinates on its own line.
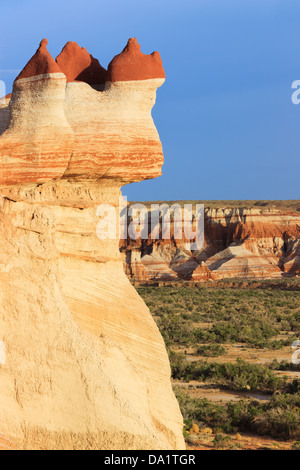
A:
(132, 64)
(78, 65)
(41, 63)
(69, 134)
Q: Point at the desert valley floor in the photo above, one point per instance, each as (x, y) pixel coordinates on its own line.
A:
(230, 347)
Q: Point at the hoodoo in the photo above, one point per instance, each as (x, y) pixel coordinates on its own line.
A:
(36, 140)
(42, 63)
(86, 367)
(132, 64)
(78, 65)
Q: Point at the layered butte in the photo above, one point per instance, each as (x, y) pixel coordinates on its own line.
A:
(239, 242)
(86, 367)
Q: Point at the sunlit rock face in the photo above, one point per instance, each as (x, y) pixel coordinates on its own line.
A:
(255, 242)
(71, 130)
(86, 367)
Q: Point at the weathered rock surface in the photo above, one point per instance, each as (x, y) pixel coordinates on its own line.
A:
(5, 443)
(237, 261)
(156, 268)
(78, 65)
(86, 367)
(291, 263)
(250, 242)
(132, 64)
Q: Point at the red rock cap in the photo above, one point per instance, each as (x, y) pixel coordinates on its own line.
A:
(78, 65)
(41, 63)
(132, 64)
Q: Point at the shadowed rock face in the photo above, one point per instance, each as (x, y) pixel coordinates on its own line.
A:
(86, 367)
(41, 63)
(78, 65)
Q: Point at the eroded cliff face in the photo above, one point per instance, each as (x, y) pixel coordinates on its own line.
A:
(244, 242)
(86, 367)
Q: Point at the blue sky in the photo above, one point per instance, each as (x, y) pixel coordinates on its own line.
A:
(225, 116)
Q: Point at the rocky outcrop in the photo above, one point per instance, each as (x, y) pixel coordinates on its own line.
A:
(76, 132)
(201, 273)
(183, 264)
(257, 240)
(291, 262)
(78, 65)
(86, 367)
(132, 64)
(237, 261)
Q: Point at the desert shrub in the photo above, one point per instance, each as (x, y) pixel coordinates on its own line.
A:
(278, 422)
(221, 441)
(238, 376)
(203, 412)
(211, 350)
(294, 387)
(276, 418)
(284, 366)
(254, 331)
(174, 329)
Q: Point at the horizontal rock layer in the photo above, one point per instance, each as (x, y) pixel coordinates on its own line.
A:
(70, 119)
(86, 367)
(239, 242)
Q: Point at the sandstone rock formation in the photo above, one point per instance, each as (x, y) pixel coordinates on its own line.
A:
(78, 65)
(156, 268)
(247, 242)
(237, 261)
(86, 367)
(132, 64)
(291, 262)
(6, 444)
(183, 264)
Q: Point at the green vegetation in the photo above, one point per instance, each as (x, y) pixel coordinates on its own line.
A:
(221, 441)
(284, 366)
(199, 323)
(259, 318)
(211, 350)
(238, 376)
(278, 417)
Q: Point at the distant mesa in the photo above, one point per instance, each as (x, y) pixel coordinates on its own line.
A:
(78, 65)
(41, 63)
(132, 64)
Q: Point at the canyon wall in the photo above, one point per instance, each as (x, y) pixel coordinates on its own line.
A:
(86, 367)
(250, 240)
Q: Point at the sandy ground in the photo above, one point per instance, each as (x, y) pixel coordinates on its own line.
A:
(242, 442)
(252, 355)
(215, 394)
